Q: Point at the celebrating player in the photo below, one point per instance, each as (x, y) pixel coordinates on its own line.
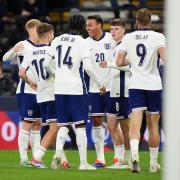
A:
(101, 48)
(118, 109)
(26, 96)
(71, 57)
(143, 48)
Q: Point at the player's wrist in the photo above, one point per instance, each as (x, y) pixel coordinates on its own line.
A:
(100, 85)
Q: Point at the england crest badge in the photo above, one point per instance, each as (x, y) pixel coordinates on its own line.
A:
(30, 112)
(107, 45)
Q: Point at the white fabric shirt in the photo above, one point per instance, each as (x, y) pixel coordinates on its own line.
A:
(34, 60)
(141, 47)
(101, 50)
(119, 78)
(71, 55)
(22, 86)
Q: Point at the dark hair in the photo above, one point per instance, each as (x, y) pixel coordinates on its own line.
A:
(118, 22)
(97, 18)
(43, 28)
(77, 23)
(143, 16)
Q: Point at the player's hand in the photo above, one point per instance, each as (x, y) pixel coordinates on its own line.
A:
(33, 85)
(102, 90)
(103, 64)
(18, 48)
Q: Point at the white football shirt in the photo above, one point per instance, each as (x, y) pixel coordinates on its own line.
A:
(34, 60)
(119, 79)
(22, 86)
(141, 47)
(101, 50)
(69, 51)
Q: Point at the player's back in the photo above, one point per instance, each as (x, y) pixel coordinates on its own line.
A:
(34, 61)
(70, 50)
(142, 50)
(101, 50)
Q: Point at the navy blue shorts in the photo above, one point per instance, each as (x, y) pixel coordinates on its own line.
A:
(119, 107)
(71, 109)
(145, 100)
(28, 107)
(48, 112)
(98, 104)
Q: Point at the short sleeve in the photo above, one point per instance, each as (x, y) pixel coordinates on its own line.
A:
(161, 40)
(122, 47)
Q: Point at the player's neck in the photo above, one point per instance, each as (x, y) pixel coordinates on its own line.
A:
(143, 27)
(43, 42)
(98, 36)
(118, 41)
(33, 40)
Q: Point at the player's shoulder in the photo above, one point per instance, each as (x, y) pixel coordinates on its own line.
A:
(128, 36)
(24, 43)
(158, 34)
(107, 34)
(88, 38)
(56, 39)
(28, 43)
(80, 38)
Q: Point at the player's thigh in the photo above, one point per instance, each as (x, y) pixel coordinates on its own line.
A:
(137, 100)
(29, 110)
(96, 104)
(63, 111)
(154, 101)
(48, 112)
(42, 107)
(78, 108)
(51, 115)
(123, 105)
(112, 106)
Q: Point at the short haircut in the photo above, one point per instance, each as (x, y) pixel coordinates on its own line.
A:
(97, 18)
(77, 23)
(32, 23)
(44, 28)
(118, 22)
(143, 16)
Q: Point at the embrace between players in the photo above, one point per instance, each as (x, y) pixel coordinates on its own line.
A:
(124, 81)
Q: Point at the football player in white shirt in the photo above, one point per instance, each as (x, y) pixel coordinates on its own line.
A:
(101, 47)
(34, 60)
(143, 48)
(72, 55)
(118, 110)
(26, 96)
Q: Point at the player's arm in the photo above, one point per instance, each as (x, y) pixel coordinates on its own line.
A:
(90, 71)
(120, 60)
(122, 52)
(13, 53)
(24, 77)
(109, 64)
(22, 71)
(161, 46)
(162, 53)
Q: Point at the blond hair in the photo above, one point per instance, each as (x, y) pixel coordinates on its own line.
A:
(32, 23)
